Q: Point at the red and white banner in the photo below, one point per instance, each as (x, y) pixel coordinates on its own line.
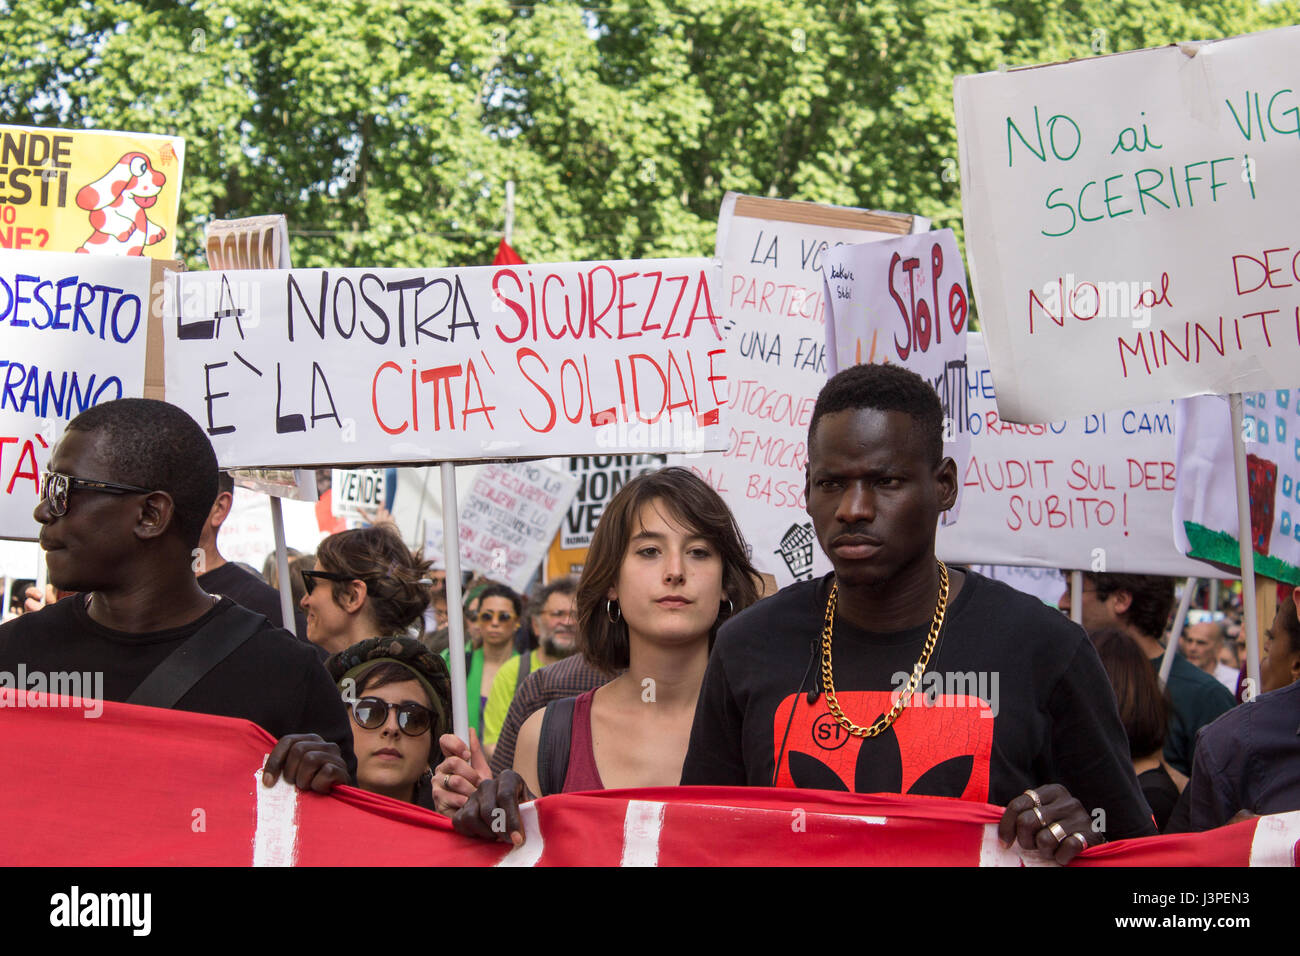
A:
(145, 787)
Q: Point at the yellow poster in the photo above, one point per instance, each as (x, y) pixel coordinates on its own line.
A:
(89, 191)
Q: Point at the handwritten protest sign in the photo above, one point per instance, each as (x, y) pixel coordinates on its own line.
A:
(89, 191)
(73, 333)
(356, 490)
(359, 366)
(509, 518)
(1129, 224)
(1205, 503)
(903, 301)
(1094, 493)
(773, 256)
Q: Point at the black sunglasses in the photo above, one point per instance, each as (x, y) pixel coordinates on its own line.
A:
(56, 487)
(372, 713)
(309, 578)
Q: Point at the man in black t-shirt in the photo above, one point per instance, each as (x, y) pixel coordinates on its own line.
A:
(219, 576)
(1008, 702)
(128, 488)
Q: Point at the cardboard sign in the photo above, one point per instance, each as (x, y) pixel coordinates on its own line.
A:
(1205, 503)
(89, 191)
(299, 484)
(385, 366)
(1094, 493)
(904, 301)
(509, 518)
(73, 333)
(356, 491)
(259, 242)
(774, 254)
(1130, 224)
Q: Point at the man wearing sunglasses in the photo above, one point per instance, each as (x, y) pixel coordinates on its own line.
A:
(126, 494)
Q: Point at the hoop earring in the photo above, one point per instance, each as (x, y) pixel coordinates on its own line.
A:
(613, 611)
(731, 608)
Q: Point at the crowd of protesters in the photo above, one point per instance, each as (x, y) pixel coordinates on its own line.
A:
(660, 666)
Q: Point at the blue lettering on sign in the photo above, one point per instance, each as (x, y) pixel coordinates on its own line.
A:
(102, 310)
(1261, 431)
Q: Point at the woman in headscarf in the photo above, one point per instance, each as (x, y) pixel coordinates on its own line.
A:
(399, 694)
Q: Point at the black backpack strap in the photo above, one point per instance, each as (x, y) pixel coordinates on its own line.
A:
(525, 665)
(197, 656)
(553, 747)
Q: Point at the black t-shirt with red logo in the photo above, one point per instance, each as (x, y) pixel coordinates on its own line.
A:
(1013, 697)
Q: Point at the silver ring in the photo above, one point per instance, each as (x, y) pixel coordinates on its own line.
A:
(1033, 795)
(1039, 813)
(1083, 840)
(446, 781)
(1057, 831)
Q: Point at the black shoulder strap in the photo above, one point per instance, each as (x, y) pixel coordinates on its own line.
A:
(525, 665)
(553, 747)
(197, 656)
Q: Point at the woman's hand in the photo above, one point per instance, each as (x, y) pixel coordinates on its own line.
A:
(459, 775)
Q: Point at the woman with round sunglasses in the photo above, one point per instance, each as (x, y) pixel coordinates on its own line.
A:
(366, 583)
(666, 567)
(399, 694)
(498, 617)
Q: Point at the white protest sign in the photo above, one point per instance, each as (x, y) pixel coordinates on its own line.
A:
(356, 490)
(247, 535)
(73, 330)
(362, 367)
(1130, 224)
(509, 518)
(1205, 504)
(773, 256)
(1093, 493)
(1046, 584)
(903, 301)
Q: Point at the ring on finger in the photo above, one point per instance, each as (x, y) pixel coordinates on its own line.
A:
(1039, 813)
(446, 781)
(1057, 831)
(1033, 795)
(1083, 840)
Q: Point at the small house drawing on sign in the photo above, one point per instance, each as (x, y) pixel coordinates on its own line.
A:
(797, 550)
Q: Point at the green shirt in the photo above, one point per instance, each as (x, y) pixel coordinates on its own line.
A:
(502, 693)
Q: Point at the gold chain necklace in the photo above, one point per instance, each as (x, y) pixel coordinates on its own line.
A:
(828, 680)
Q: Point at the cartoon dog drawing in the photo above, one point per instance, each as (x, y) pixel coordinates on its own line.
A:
(118, 204)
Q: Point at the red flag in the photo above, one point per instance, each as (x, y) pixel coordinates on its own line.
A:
(96, 784)
(506, 256)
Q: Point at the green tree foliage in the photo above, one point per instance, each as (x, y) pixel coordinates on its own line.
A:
(386, 130)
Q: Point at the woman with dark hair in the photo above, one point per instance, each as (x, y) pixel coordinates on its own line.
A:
(666, 566)
(366, 583)
(1144, 709)
(400, 697)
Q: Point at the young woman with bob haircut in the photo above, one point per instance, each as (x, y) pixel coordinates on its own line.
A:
(366, 583)
(667, 565)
